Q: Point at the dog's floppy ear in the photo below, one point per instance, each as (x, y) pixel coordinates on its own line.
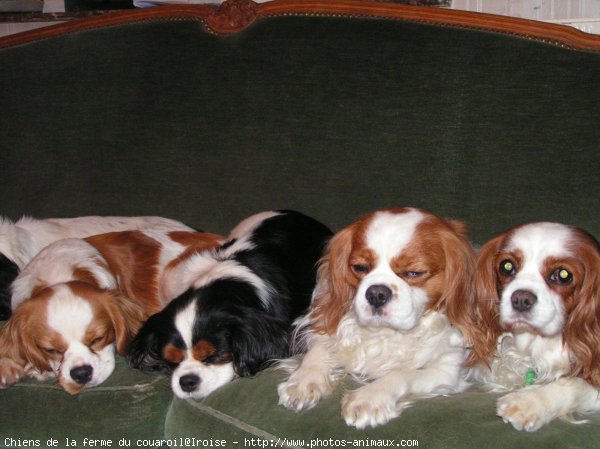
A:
(145, 352)
(581, 333)
(478, 320)
(126, 315)
(460, 265)
(333, 294)
(257, 341)
(17, 338)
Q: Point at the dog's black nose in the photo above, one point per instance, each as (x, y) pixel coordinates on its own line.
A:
(189, 382)
(378, 295)
(82, 374)
(523, 300)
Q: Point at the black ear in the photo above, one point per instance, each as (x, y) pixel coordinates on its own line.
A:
(145, 350)
(258, 341)
(8, 272)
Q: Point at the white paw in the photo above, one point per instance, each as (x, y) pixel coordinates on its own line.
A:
(304, 393)
(525, 410)
(361, 408)
(35, 373)
(10, 373)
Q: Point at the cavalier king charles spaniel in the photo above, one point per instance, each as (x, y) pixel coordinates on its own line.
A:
(238, 315)
(378, 313)
(20, 241)
(79, 298)
(535, 323)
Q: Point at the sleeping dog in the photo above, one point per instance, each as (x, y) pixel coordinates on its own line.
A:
(238, 314)
(20, 241)
(81, 300)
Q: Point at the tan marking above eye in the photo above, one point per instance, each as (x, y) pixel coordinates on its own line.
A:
(203, 350)
(173, 354)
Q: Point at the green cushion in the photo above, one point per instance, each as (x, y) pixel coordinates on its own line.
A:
(128, 405)
(247, 409)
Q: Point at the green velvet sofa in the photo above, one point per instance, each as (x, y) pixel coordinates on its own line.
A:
(207, 114)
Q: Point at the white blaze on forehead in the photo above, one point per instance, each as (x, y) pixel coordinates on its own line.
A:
(389, 233)
(184, 323)
(69, 314)
(538, 241)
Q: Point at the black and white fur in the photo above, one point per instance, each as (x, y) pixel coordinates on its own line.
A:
(238, 315)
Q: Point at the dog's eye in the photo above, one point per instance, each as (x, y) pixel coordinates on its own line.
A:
(507, 268)
(413, 274)
(360, 268)
(95, 341)
(217, 359)
(210, 360)
(561, 276)
(52, 351)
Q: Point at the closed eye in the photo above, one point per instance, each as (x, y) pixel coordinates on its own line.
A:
(96, 341)
(52, 351)
(360, 268)
(210, 360)
(217, 359)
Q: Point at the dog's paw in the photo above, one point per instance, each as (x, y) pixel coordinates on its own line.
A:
(35, 373)
(304, 393)
(525, 410)
(10, 373)
(364, 408)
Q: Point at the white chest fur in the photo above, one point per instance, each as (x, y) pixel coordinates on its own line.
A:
(371, 352)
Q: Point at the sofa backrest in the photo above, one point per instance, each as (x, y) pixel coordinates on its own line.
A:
(332, 114)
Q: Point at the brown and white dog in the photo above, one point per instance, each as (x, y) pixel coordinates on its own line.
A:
(535, 323)
(78, 297)
(378, 313)
(20, 241)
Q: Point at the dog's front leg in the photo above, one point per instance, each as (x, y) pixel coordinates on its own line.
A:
(311, 381)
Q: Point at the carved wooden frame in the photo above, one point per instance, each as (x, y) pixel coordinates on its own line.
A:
(233, 16)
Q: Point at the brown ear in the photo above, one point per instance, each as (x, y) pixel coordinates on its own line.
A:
(17, 340)
(479, 322)
(582, 330)
(11, 337)
(460, 228)
(460, 264)
(333, 294)
(127, 317)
